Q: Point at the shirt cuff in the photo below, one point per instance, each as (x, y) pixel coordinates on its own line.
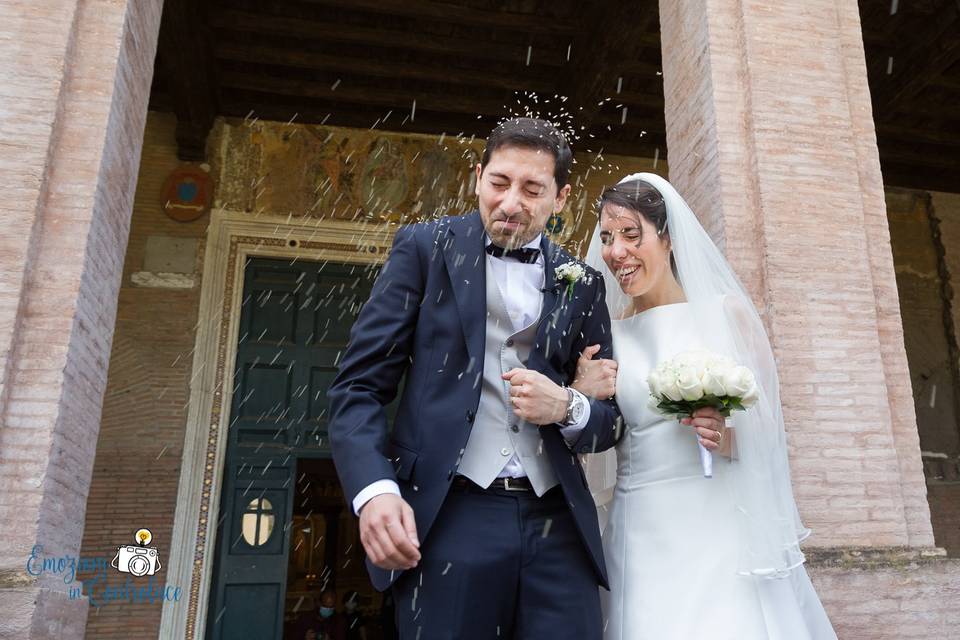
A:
(372, 491)
(571, 432)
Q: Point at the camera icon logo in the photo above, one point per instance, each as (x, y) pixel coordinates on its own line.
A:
(138, 559)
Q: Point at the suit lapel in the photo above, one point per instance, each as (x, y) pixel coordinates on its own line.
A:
(464, 257)
(551, 293)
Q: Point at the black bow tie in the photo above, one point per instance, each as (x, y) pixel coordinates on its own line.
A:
(523, 254)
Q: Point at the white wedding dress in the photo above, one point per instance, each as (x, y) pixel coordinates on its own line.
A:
(671, 538)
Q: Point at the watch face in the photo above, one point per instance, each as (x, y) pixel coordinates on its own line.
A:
(577, 412)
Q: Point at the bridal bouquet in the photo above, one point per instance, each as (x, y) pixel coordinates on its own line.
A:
(696, 379)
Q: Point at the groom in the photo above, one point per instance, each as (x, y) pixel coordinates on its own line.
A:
(475, 506)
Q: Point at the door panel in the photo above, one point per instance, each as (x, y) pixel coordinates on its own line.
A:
(294, 325)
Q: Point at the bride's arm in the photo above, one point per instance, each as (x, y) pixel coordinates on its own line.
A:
(595, 378)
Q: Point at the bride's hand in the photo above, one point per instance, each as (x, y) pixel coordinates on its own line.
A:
(711, 428)
(595, 378)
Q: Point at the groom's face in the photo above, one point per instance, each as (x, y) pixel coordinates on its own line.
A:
(518, 194)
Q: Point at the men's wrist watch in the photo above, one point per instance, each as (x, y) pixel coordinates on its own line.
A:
(574, 408)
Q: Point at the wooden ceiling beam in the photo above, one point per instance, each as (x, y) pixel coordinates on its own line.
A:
(643, 68)
(948, 82)
(400, 101)
(185, 60)
(250, 22)
(910, 177)
(614, 37)
(241, 104)
(935, 49)
(888, 131)
(264, 89)
(921, 161)
(452, 13)
(447, 74)
(944, 111)
(652, 100)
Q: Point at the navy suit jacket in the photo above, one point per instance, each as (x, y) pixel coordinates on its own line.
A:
(426, 318)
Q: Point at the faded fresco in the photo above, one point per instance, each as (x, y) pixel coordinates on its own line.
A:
(298, 170)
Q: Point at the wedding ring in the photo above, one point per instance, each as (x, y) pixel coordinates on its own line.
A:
(720, 439)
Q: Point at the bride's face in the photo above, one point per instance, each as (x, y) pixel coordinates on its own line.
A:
(634, 253)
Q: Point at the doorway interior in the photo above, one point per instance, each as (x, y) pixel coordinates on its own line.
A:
(285, 533)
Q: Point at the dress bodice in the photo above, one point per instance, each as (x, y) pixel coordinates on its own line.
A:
(653, 448)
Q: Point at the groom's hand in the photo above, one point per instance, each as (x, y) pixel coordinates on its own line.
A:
(388, 532)
(535, 397)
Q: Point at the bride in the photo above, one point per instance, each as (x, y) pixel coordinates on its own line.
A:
(688, 556)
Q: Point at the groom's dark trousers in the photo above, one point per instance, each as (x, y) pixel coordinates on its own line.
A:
(495, 563)
(501, 564)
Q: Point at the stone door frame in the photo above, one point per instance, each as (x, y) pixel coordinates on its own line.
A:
(232, 237)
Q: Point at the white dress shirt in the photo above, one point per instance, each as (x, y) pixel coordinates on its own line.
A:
(520, 287)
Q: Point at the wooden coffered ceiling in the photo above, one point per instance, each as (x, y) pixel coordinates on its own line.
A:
(913, 68)
(459, 66)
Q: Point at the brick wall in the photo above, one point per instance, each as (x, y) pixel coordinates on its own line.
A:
(77, 77)
(765, 132)
(771, 139)
(898, 599)
(139, 450)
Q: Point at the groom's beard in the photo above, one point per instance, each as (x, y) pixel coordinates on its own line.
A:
(512, 238)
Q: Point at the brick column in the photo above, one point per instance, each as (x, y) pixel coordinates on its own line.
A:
(771, 139)
(77, 78)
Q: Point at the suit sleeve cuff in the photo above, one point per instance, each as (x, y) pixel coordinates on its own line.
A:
(372, 491)
(571, 432)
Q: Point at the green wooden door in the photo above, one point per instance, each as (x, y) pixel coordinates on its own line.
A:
(294, 325)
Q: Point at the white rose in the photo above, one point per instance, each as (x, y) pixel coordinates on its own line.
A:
(668, 385)
(688, 382)
(712, 380)
(738, 381)
(750, 397)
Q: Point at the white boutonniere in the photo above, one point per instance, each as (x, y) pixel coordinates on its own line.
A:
(569, 274)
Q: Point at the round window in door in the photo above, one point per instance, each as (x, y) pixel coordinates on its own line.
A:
(258, 521)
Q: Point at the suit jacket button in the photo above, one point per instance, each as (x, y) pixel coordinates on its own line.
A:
(515, 428)
(469, 415)
(509, 342)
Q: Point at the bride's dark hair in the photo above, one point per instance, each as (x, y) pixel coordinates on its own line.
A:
(638, 196)
(643, 198)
